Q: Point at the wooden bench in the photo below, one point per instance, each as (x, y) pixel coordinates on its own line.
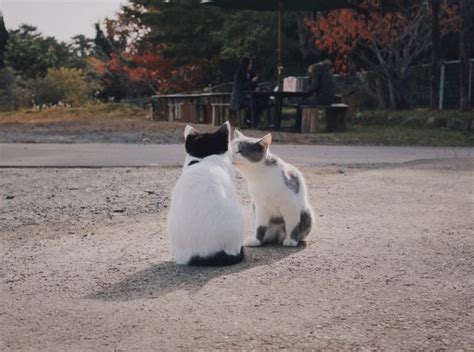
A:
(174, 111)
(335, 118)
(194, 107)
(190, 113)
(220, 113)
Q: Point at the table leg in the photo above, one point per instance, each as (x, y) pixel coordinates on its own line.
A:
(278, 112)
(253, 110)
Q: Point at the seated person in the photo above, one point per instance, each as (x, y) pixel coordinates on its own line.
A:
(244, 80)
(321, 87)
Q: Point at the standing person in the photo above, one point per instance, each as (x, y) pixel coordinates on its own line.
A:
(244, 80)
(321, 86)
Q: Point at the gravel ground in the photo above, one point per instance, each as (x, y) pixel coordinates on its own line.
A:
(86, 265)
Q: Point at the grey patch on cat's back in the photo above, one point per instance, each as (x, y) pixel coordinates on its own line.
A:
(253, 152)
(271, 161)
(291, 181)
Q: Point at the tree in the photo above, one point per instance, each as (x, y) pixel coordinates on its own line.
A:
(4, 36)
(31, 54)
(310, 52)
(385, 41)
(28, 53)
(466, 32)
(204, 49)
(82, 46)
(103, 45)
(161, 75)
(185, 28)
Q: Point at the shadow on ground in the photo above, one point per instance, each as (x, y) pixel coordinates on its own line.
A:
(167, 277)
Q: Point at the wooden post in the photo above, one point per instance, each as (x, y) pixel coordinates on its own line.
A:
(441, 87)
(466, 15)
(310, 120)
(280, 36)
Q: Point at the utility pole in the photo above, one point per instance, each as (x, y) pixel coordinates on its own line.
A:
(466, 14)
(435, 59)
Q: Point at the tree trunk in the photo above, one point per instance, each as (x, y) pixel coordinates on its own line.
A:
(391, 94)
(435, 59)
(309, 50)
(464, 50)
(379, 93)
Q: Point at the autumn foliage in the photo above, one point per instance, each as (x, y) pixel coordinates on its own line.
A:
(150, 68)
(340, 32)
(384, 40)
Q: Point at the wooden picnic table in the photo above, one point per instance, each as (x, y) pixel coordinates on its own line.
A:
(167, 107)
(279, 97)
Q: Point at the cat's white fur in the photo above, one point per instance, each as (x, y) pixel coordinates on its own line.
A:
(271, 197)
(205, 213)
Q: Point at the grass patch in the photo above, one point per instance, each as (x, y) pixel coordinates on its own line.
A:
(88, 112)
(376, 135)
(411, 118)
(129, 124)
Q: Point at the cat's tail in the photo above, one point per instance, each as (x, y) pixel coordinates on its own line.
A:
(218, 259)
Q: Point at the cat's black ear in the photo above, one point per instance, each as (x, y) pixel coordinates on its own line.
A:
(224, 130)
(189, 130)
(266, 141)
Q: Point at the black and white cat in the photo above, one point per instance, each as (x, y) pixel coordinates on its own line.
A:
(206, 224)
(283, 213)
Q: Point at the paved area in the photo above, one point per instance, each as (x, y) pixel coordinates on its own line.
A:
(85, 264)
(130, 155)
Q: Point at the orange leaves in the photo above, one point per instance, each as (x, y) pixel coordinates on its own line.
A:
(152, 69)
(96, 65)
(449, 21)
(340, 32)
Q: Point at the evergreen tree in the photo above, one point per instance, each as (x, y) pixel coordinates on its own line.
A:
(216, 38)
(4, 36)
(103, 45)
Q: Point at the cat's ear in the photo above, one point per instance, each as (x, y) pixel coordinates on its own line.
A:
(225, 129)
(189, 130)
(238, 134)
(266, 140)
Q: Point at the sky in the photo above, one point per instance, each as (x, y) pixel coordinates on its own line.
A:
(62, 19)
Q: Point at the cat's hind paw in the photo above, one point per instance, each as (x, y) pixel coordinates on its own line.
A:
(253, 242)
(289, 242)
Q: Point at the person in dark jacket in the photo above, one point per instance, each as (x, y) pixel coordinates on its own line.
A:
(244, 80)
(321, 87)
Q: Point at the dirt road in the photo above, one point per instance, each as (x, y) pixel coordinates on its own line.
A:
(86, 265)
(136, 155)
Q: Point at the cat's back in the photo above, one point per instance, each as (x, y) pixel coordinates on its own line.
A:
(206, 177)
(206, 192)
(277, 176)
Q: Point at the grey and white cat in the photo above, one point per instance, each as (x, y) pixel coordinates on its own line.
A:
(283, 213)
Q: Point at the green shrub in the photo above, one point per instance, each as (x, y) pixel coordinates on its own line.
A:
(64, 85)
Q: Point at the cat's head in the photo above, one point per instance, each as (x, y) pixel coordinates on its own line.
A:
(203, 144)
(247, 151)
